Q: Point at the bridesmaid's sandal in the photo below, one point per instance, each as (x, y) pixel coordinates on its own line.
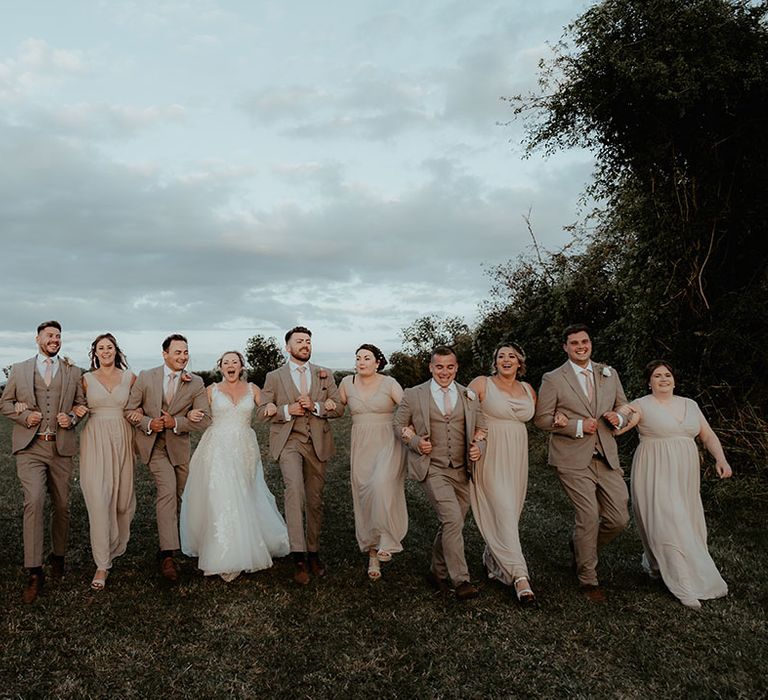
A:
(374, 570)
(384, 555)
(99, 582)
(524, 593)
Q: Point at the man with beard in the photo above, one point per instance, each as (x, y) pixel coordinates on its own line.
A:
(300, 440)
(40, 398)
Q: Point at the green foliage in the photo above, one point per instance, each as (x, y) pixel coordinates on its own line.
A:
(262, 355)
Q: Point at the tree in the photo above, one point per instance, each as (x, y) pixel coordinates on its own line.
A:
(262, 355)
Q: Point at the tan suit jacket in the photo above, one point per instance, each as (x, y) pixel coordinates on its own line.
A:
(414, 410)
(561, 391)
(147, 394)
(280, 390)
(21, 387)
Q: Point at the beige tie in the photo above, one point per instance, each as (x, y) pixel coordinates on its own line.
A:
(447, 406)
(590, 384)
(48, 376)
(303, 388)
(171, 390)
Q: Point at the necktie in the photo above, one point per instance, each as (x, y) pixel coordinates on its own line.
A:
(171, 390)
(447, 406)
(303, 388)
(590, 384)
(48, 376)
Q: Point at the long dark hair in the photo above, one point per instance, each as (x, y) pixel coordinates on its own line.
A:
(120, 360)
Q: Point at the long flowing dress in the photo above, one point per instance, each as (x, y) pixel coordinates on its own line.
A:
(106, 469)
(228, 518)
(667, 504)
(500, 482)
(377, 470)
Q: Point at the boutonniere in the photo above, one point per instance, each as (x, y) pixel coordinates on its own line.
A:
(185, 377)
(471, 395)
(66, 361)
(322, 374)
(606, 371)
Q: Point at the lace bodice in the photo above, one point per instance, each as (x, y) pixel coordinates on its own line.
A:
(228, 415)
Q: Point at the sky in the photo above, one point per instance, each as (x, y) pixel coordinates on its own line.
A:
(230, 168)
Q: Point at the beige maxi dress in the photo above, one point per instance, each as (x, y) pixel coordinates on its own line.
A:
(106, 469)
(377, 470)
(500, 482)
(667, 504)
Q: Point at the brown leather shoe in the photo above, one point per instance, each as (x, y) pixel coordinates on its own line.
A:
(592, 593)
(466, 590)
(442, 585)
(168, 569)
(33, 588)
(301, 575)
(57, 566)
(315, 565)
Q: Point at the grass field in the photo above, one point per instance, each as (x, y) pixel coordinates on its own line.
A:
(346, 637)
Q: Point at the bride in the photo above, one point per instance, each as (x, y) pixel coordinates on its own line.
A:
(229, 519)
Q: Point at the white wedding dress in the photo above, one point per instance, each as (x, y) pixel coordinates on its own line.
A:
(229, 519)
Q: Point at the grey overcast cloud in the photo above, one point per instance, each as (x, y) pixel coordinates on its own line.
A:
(227, 168)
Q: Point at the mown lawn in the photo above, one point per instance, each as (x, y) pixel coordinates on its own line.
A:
(346, 637)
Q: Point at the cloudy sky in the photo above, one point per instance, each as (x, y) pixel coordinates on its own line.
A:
(229, 167)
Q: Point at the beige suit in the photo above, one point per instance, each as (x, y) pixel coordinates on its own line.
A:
(167, 454)
(302, 446)
(588, 466)
(43, 466)
(444, 472)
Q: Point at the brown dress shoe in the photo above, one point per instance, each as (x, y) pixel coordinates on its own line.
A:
(33, 588)
(592, 593)
(168, 569)
(57, 566)
(442, 585)
(315, 565)
(466, 590)
(301, 575)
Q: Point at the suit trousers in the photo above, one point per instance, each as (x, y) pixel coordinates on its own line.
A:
(170, 481)
(599, 497)
(304, 481)
(448, 491)
(41, 468)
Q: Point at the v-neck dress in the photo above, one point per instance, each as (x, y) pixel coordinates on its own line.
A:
(377, 470)
(667, 504)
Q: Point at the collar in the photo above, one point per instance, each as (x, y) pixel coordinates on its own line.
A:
(294, 366)
(167, 371)
(437, 389)
(42, 358)
(578, 370)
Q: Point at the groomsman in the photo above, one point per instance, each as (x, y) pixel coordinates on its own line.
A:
(300, 441)
(444, 416)
(165, 395)
(45, 389)
(577, 406)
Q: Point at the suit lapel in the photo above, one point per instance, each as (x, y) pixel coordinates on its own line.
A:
(289, 387)
(29, 375)
(425, 396)
(575, 384)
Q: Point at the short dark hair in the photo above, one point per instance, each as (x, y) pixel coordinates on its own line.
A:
(653, 365)
(297, 329)
(48, 324)
(443, 351)
(576, 328)
(377, 354)
(173, 336)
(120, 361)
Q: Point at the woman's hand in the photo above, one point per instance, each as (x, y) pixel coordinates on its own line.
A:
(560, 420)
(80, 411)
(134, 417)
(20, 407)
(195, 415)
(329, 405)
(724, 470)
(270, 410)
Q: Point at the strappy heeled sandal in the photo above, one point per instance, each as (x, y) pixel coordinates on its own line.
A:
(98, 583)
(374, 570)
(525, 595)
(384, 555)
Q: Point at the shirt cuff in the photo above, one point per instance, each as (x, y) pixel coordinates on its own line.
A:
(287, 415)
(579, 428)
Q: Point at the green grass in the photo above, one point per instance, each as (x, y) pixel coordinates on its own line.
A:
(346, 637)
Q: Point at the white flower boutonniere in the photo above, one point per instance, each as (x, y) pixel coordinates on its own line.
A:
(606, 371)
(471, 395)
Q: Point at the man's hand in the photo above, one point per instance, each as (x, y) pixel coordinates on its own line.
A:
(34, 418)
(296, 409)
(589, 426)
(168, 420)
(64, 420)
(306, 403)
(425, 446)
(156, 425)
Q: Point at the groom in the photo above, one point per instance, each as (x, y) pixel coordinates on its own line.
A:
(165, 395)
(47, 389)
(300, 441)
(577, 406)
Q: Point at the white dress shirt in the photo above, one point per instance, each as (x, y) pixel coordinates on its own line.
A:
(296, 377)
(583, 384)
(41, 364)
(438, 393)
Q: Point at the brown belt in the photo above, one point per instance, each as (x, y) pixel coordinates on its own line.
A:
(50, 437)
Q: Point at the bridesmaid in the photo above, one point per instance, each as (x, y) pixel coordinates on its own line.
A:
(500, 478)
(665, 488)
(106, 455)
(377, 468)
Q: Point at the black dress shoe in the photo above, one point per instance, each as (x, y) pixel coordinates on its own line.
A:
(57, 566)
(443, 585)
(466, 590)
(574, 568)
(33, 588)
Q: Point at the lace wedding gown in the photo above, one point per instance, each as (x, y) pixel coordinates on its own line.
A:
(229, 519)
